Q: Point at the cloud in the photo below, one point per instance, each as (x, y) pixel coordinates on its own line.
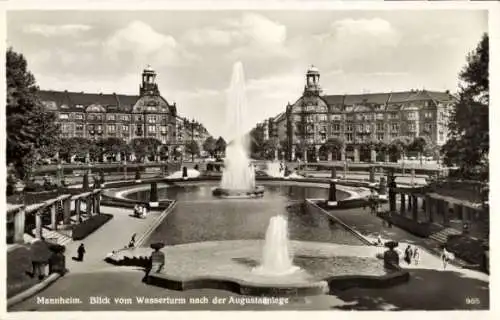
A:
(141, 38)
(210, 36)
(47, 30)
(259, 29)
(139, 43)
(125, 84)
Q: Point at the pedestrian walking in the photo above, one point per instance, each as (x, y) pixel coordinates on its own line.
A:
(446, 256)
(81, 252)
(408, 254)
(131, 244)
(416, 255)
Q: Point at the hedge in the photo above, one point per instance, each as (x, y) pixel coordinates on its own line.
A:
(467, 249)
(423, 230)
(82, 230)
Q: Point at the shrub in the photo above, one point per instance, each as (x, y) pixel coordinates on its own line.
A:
(82, 230)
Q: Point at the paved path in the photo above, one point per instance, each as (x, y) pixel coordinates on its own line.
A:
(430, 288)
(115, 234)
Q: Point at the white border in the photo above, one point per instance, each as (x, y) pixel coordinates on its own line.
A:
(494, 32)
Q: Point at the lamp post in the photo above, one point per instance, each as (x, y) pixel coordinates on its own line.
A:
(192, 139)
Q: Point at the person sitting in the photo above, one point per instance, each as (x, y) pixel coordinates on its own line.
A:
(144, 211)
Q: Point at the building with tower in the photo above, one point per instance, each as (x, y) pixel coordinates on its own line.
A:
(96, 116)
(361, 121)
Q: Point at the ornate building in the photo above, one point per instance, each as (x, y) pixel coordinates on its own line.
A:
(359, 120)
(99, 116)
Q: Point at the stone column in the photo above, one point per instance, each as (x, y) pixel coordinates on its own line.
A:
(317, 152)
(415, 208)
(38, 217)
(403, 205)
(276, 155)
(356, 154)
(67, 211)
(97, 201)
(465, 214)
(53, 215)
(332, 195)
(458, 211)
(392, 200)
(428, 208)
(334, 173)
(19, 220)
(373, 155)
(89, 205)
(372, 174)
(305, 156)
(387, 157)
(78, 202)
(446, 218)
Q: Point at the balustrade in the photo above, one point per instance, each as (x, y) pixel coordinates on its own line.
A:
(16, 214)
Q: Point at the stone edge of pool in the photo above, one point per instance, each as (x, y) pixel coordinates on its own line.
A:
(325, 286)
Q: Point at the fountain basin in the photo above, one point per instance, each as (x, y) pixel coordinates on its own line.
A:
(229, 265)
(257, 192)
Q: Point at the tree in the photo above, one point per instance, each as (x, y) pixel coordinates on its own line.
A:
(468, 143)
(420, 145)
(164, 151)
(220, 145)
(399, 146)
(334, 144)
(74, 146)
(209, 145)
(192, 148)
(112, 145)
(257, 142)
(383, 147)
(32, 132)
(143, 147)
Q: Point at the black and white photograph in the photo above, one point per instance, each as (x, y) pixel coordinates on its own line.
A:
(216, 159)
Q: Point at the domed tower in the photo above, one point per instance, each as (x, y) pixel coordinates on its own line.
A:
(149, 86)
(312, 81)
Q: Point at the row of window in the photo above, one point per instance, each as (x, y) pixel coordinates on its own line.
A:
(114, 117)
(351, 137)
(368, 127)
(362, 117)
(66, 127)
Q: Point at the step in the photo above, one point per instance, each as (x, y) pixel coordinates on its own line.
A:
(55, 236)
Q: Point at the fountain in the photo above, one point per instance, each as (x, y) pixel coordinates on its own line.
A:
(238, 175)
(276, 258)
(275, 169)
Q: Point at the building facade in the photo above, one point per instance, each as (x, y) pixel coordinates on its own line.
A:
(359, 120)
(127, 117)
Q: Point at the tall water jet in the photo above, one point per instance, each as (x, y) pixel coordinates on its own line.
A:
(276, 257)
(238, 175)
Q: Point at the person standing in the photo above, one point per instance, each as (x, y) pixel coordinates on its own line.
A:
(416, 255)
(446, 256)
(408, 254)
(81, 252)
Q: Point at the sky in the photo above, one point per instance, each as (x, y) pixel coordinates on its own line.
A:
(193, 53)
